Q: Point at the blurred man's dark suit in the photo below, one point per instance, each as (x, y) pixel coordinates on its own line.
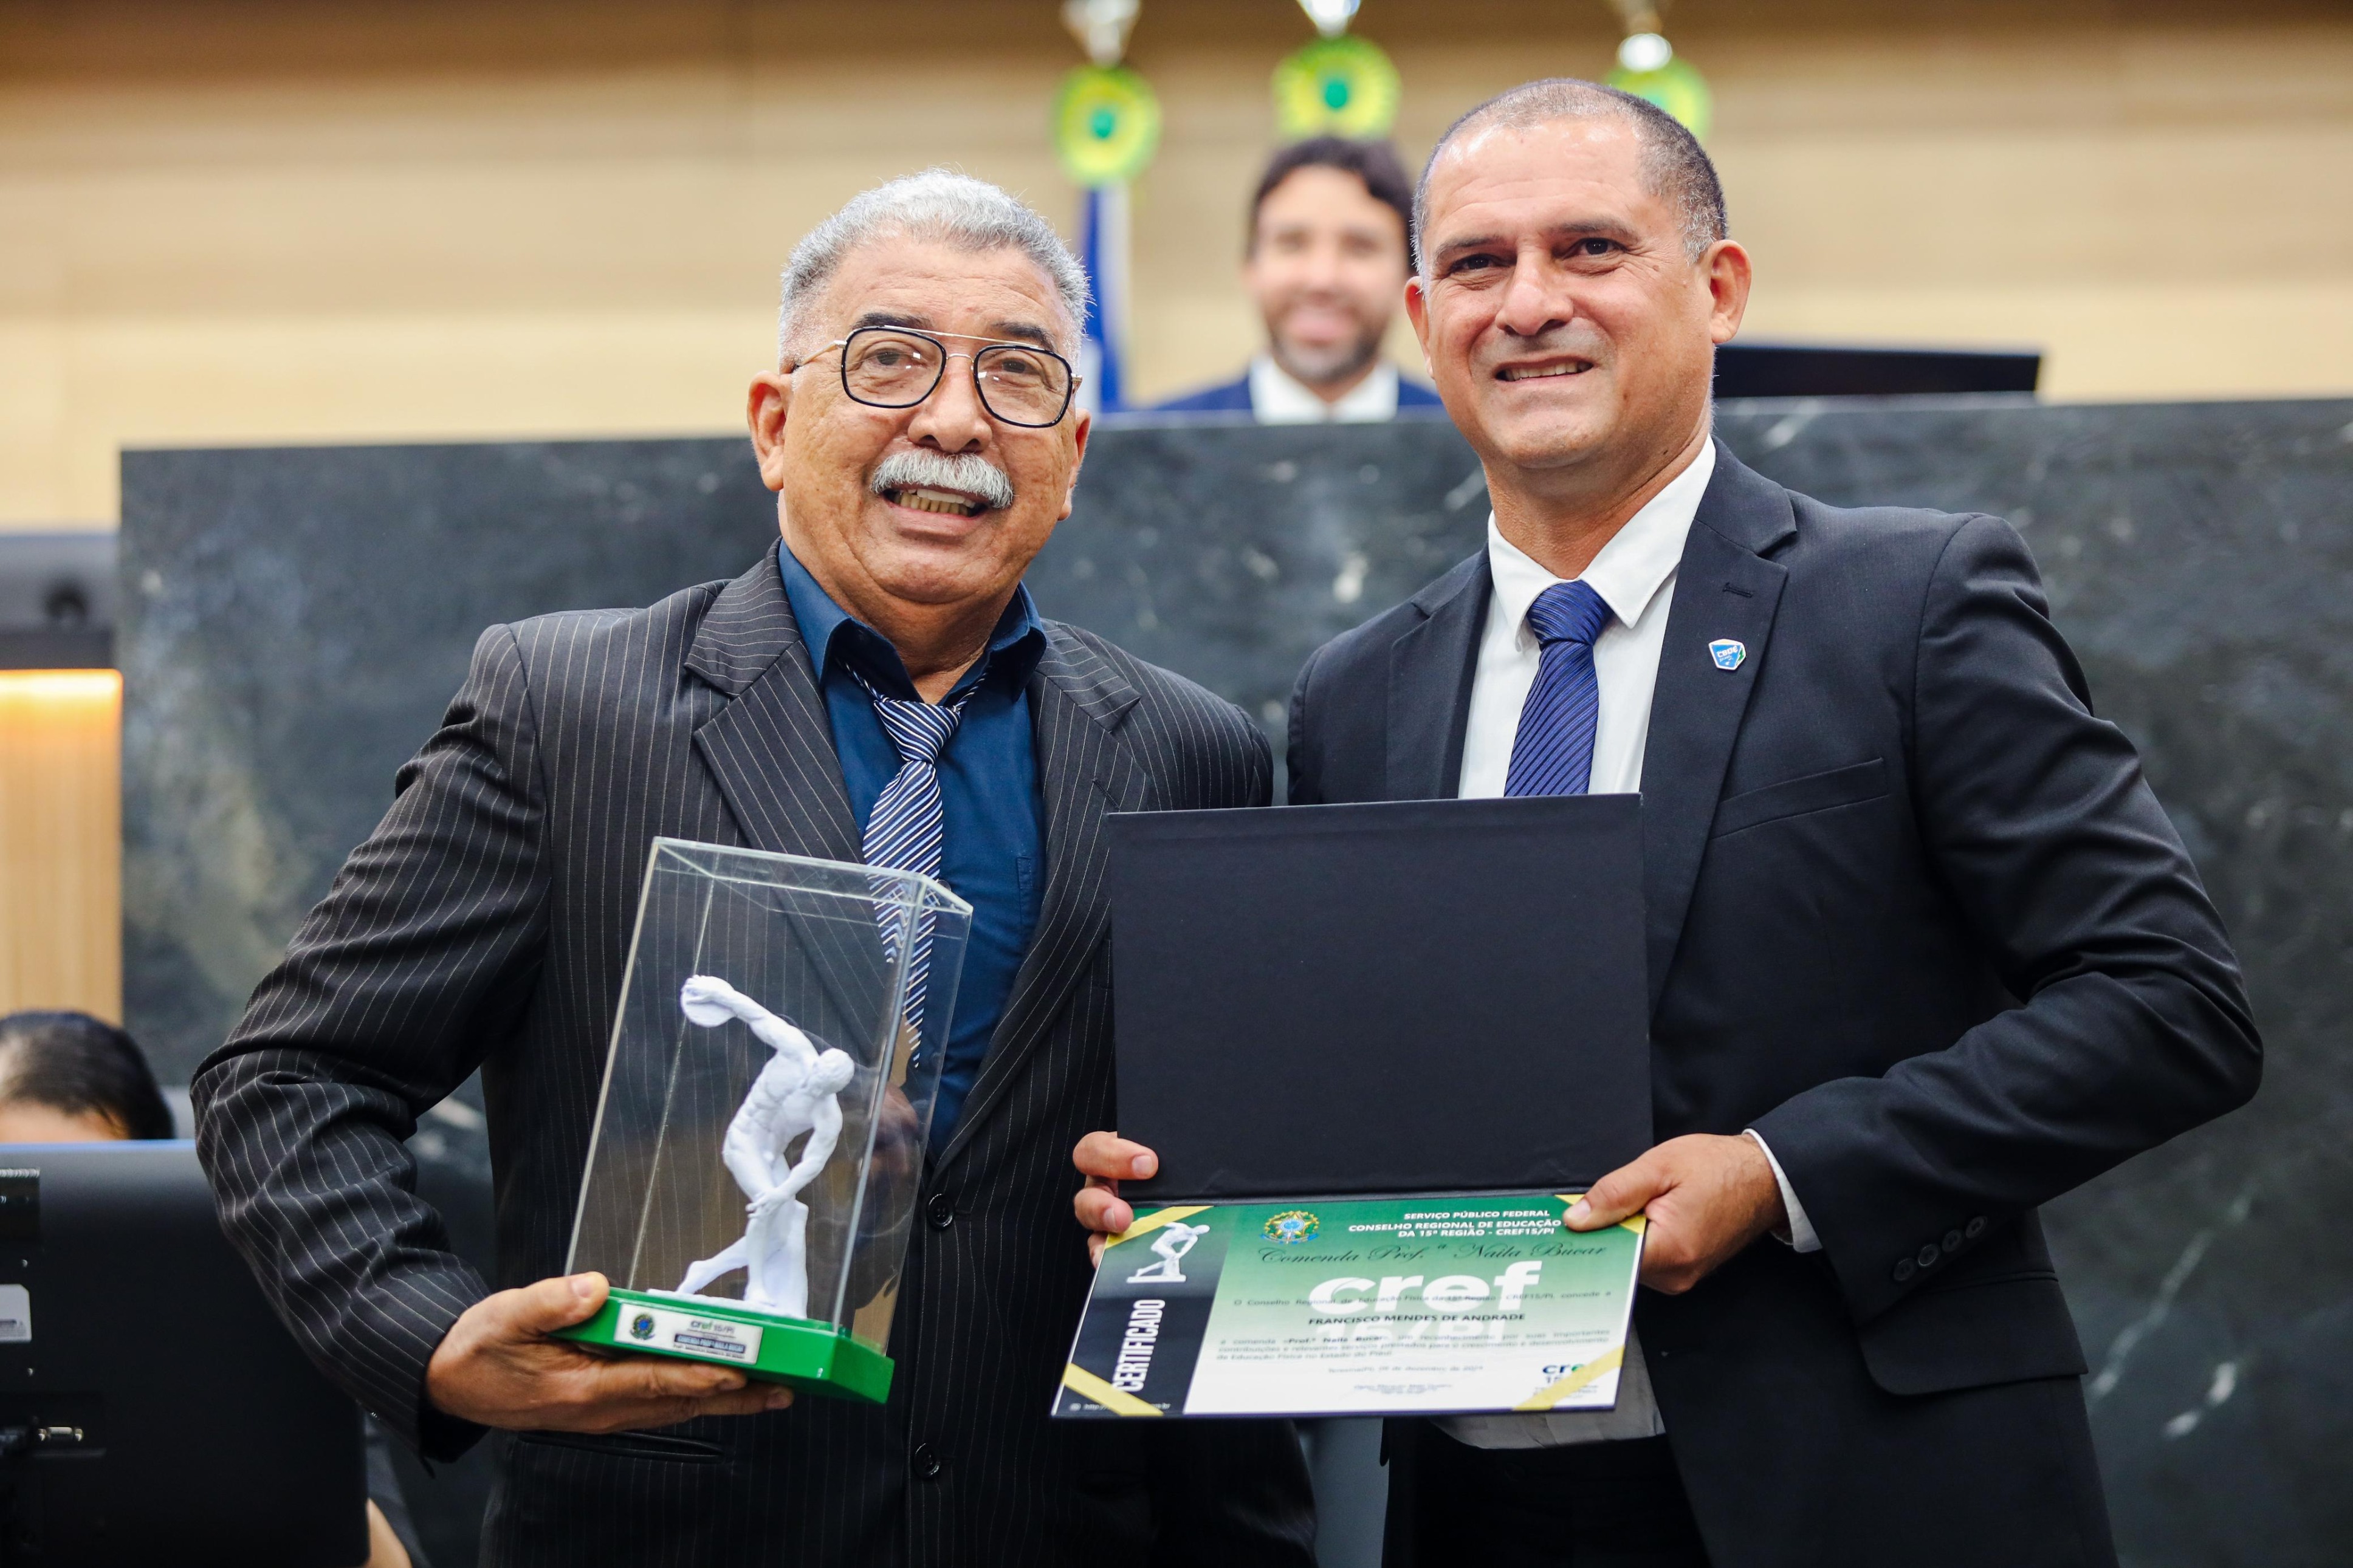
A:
(1914, 917)
(486, 924)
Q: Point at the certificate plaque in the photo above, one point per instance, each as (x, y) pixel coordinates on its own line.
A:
(1362, 1307)
(1346, 1030)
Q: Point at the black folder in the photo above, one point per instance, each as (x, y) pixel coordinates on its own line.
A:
(1419, 996)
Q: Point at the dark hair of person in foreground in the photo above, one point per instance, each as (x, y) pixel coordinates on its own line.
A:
(80, 1067)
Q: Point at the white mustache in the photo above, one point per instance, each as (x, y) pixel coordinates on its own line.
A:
(967, 472)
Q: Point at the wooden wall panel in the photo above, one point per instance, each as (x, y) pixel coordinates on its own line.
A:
(259, 220)
(61, 840)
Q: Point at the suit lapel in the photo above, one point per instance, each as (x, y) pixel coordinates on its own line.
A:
(1076, 704)
(1725, 591)
(770, 749)
(1430, 671)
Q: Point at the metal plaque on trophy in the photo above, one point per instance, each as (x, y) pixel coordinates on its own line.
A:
(760, 1142)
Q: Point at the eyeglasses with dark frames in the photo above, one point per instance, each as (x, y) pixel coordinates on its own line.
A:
(898, 367)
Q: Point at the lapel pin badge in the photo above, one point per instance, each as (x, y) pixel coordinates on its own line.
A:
(1726, 653)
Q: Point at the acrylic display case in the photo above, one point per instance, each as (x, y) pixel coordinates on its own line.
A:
(761, 1138)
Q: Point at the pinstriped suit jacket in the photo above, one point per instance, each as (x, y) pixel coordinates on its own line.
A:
(486, 924)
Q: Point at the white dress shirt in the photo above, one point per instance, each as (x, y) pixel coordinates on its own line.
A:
(1634, 576)
(1278, 398)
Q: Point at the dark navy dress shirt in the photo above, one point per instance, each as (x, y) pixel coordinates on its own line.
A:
(995, 854)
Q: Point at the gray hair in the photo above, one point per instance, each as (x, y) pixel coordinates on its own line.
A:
(936, 205)
(1673, 164)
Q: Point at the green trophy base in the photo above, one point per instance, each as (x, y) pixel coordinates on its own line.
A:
(773, 1349)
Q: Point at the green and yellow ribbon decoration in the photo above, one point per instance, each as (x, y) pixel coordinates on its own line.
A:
(1106, 125)
(1336, 87)
(1674, 87)
(1648, 67)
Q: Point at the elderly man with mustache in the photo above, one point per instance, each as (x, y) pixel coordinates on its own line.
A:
(920, 433)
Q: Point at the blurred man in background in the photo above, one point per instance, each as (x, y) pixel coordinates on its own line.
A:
(1330, 233)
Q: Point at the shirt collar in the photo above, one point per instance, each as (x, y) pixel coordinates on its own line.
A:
(1631, 569)
(833, 634)
(1277, 397)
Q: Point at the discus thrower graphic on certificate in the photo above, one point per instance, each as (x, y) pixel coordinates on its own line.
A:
(1173, 1242)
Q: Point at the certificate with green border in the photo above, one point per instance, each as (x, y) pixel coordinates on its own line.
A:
(1366, 1307)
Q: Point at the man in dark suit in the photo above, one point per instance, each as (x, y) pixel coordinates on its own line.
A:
(1330, 236)
(920, 435)
(1923, 951)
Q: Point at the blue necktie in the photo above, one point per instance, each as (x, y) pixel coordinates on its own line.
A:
(1553, 751)
(908, 829)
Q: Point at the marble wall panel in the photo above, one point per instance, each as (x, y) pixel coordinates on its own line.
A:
(294, 620)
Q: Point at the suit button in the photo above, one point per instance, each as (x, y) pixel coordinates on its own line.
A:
(1952, 1241)
(1904, 1269)
(1975, 1228)
(927, 1462)
(941, 1211)
(1927, 1255)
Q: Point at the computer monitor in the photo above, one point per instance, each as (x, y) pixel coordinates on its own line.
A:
(152, 1409)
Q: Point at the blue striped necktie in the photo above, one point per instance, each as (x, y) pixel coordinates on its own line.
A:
(908, 829)
(1553, 751)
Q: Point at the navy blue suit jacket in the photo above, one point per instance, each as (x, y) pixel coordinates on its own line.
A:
(1234, 397)
(1914, 915)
